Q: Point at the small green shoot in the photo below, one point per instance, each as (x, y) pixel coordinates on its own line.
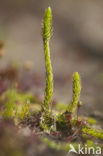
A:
(76, 85)
(46, 31)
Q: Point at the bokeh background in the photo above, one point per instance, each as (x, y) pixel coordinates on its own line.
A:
(77, 45)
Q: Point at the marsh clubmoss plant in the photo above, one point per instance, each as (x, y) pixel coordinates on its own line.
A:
(62, 125)
(76, 85)
(46, 30)
(66, 122)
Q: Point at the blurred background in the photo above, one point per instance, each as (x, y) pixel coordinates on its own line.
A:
(77, 45)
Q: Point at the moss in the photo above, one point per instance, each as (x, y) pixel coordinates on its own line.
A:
(25, 110)
(93, 132)
(91, 143)
(61, 106)
(66, 146)
(58, 145)
(63, 124)
(87, 120)
(47, 121)
(52, 144)
(91, 121)
(10, 106)
(17, 104)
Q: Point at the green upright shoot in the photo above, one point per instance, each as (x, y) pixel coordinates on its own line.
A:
(76, 85)
(46, 31)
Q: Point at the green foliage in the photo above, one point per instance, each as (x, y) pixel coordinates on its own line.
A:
(46, 30)
(91, 121)
(63, 124)
(17, 104)
(52, 144)
(61, 106)
(66, 146)
(47, 120)
(76, 85)
(93, 132)
(10, 105)
(59, 146)
(25, 110)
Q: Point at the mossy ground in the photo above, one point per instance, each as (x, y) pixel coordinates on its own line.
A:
(23, 123)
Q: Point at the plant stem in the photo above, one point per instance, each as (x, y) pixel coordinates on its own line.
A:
(49, 77)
